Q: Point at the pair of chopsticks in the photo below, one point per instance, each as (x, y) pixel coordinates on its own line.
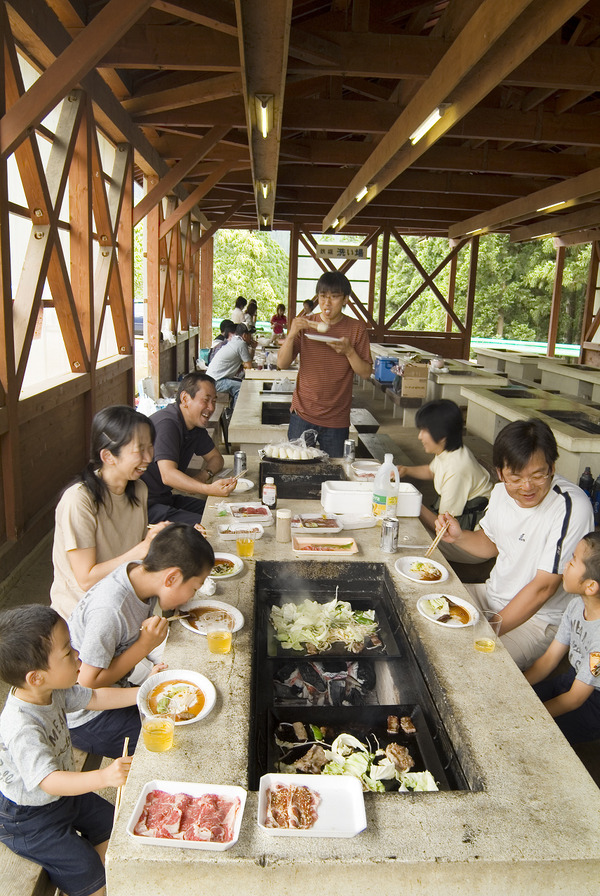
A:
(239, 475)
(120, 789)
(436, 540)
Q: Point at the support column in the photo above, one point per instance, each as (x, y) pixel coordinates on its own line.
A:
(206, 291)
(471, 296)
(153, 286)
(293, 273)
(385, 257)
(556, 300)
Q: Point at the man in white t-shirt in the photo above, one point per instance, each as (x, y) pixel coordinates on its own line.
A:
(533, 523)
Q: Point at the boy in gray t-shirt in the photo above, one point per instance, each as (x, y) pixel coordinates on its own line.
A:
(48, 811)
(114, 628)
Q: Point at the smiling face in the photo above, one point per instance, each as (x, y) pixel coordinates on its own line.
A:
(63, 661)
(428, 442)
(529, 486)
(198, 410)
(331, 305)
(133, 459)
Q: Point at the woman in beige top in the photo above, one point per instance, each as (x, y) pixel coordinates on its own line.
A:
(102, 518)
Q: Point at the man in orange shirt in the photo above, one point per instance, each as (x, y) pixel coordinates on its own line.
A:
(332, 347)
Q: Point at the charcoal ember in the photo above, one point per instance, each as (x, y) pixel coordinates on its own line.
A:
(287, 671)
(365, 675)
(311, 674)
(355, 698)
(337, 691)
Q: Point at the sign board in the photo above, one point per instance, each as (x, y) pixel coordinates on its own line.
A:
(328, 250)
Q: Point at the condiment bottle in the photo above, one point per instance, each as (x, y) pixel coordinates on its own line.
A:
(269, 493)
(283, 528)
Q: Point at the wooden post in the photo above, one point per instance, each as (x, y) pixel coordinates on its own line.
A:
(556, 300)
(153, 287)
(590, 299)
(471, 296)
(293, 272)
(206, 292)
(451, 289)
(125, 261)
(372, 277)
(385, 257)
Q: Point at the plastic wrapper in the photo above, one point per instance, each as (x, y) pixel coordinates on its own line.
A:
(301, 448)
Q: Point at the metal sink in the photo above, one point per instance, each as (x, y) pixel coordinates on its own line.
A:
(514, 393)
(576, 419)
(274, 412)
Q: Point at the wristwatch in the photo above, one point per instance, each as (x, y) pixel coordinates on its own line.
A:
(209, 474)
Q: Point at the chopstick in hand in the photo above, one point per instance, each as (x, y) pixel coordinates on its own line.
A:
(120, 789)
(437, 540)
(238, 475)
(179, 616)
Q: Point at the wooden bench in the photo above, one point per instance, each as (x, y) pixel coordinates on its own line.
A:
(378, 385)
(363, 420)
(408, 406)
(378, 445)
(483, 452)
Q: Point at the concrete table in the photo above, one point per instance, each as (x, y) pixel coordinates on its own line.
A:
(529, 823)
(579, 380)
(449, 384)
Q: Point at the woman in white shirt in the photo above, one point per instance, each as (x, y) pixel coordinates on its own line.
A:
(237, 315)
(463, 485)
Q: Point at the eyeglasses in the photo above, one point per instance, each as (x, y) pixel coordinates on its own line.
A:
(330, 295)
(534, 479)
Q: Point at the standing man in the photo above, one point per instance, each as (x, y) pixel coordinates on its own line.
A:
(533, 523)
(323, 393)
(235, 356)
(180, 434)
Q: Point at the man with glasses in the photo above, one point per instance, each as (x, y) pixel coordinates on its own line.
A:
(323, 393)
(534, 520)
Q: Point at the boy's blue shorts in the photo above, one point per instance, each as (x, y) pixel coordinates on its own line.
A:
(48, 836)
(105, 733)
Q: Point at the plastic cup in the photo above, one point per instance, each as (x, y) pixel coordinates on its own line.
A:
(486, 631)
(157, 733)
(245, 546)
(218, 632)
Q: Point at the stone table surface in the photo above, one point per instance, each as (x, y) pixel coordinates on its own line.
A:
(529, 823)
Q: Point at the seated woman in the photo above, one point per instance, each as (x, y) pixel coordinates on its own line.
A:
(462, 484)
(102, 518)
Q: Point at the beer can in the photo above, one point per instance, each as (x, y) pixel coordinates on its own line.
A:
(349, 451)
(389, 535)
(239, 462)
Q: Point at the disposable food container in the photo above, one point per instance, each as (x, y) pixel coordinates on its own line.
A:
(347, 497)
(409, 500)
(341, 812)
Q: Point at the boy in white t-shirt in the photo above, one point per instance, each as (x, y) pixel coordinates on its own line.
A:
(573, 698)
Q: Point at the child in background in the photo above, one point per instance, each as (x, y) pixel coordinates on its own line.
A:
(44, 803)
(573, 699)
(279, 321)
(114, 628)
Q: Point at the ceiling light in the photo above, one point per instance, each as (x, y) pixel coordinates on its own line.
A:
(429, 122)
(554, 205)
(265, 186)
(264, 112)
(265, 220)
(335, 223)
(362, 193)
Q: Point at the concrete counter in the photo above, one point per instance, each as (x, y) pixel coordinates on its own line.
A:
(530, 822)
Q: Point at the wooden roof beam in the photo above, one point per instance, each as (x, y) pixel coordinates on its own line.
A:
(213, 14)
(204, 91)
(264, 31)
(556, 225)
(68, 69)
(492, 43)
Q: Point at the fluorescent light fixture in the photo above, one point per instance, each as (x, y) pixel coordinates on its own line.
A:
(429, 122)
(335, 223)
(474, 232)
(265, 220)
(362, 193)
(548, 208)
(264, 112)
(265, 186)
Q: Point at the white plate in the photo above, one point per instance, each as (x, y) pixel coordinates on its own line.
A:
(230, 531)
(243, 485)
(195, 790)
(365, 470)
(357, 520)
(317, 338)
(264, 515)
(235, 614)
(341, 812)
(302, 545)
(472, 611)
(238, 565)
(300, 527)
(403, 566)
(201, 681)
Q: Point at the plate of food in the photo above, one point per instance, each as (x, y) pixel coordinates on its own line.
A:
(315, 524)
(188, 695)
(243, 485)
(311, 806)
(365, 470)
(230, 531)
(323, 547)
(316, 337)
(199, 611)
(168, 813)
(252, 510)
(288, 453)
(421, 569)
(226, 566)
(447, 610)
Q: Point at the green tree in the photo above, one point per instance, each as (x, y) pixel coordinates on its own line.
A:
(250, 264)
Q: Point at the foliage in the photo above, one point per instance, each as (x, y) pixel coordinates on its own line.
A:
(250, 264)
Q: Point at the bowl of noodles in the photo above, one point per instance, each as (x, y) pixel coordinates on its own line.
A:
(186, 695)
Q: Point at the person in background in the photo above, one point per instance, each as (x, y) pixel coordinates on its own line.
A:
(251, 314)
(49, 812)
(323, 392)
(573, 698)
(279, 321)
(534, 520)
(237, 315)
(180, 434)
(114, 628)
(101, 519)
(227, 328)
(227, 365)
(462, 484)
(308, 306)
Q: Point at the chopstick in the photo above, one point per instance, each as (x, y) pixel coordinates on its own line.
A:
(243, 473)
(437, 540)
(179, 616)
(120, 789)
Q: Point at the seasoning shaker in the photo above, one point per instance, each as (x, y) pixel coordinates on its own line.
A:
(389, 535)
(283, 528)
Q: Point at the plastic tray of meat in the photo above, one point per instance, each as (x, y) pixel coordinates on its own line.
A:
(186, 815)
(336, 806)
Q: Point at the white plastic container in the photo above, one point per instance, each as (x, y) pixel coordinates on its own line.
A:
(385, 489)
(409, 500)
(346, 497)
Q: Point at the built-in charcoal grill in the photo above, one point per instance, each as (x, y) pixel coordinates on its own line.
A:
(339, 691)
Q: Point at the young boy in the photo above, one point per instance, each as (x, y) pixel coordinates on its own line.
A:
(114, 628)
(573, 698)
(44, 802)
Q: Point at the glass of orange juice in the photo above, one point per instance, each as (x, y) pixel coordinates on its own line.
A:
(245, 546)
(487, 631)
(218, 632)
(157, 732)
